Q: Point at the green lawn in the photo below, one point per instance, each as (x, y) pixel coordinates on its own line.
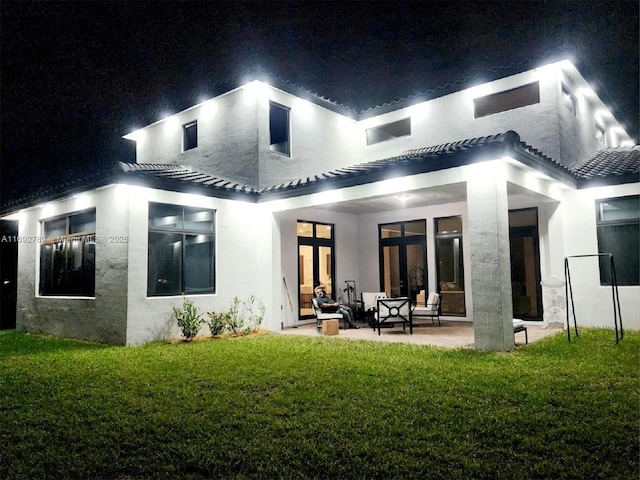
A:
(278, 407)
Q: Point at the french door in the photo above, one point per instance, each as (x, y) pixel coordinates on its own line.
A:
(403, 258)
(316, 263)
(525, 264)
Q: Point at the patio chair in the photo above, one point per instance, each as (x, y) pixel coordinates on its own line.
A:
(391, 311)
(370, 304)
(518, 326)
(320, 315)
(432, 308)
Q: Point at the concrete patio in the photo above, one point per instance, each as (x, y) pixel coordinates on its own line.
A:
(452, 334)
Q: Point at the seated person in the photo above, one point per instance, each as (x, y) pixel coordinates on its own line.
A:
(326, 303)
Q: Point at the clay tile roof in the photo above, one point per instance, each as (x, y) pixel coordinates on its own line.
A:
(181, 174)
(613, 164)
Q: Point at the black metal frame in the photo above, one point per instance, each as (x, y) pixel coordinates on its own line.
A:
(614, 295)
(394, 305)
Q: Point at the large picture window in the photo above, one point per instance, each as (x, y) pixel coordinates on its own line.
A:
(67, 255)
(618, 221)
(181, 250)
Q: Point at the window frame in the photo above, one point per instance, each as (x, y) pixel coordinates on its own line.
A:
(273, 146)
(602, 227)
(568, 99)
(183, 233)
(373, 134)
(186, 146)
(62, 243)
(459, 277)
(491, 104)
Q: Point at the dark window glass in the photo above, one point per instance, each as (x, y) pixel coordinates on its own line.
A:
(568, 99)
(181, 250)
(279, 128)
(508, 100)
(389, 131)
(618, 221)
(56, 227)
(190, 136)
(450, 265)
(67, 256)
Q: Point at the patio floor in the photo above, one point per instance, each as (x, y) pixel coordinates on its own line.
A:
(452, 334)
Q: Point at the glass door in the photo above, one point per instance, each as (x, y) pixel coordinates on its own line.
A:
(403, 258)
(525, 264)
(450, 265)
(315, 263)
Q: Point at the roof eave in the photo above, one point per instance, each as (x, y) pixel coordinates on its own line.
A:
(608, 181)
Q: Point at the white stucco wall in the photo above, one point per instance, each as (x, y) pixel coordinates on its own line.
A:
(102, 318)
(345, 250)
(593, 303)
(234, 135)
(320, 140)
(227, 138)
(244, 264)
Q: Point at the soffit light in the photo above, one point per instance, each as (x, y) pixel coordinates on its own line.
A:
(404, 197)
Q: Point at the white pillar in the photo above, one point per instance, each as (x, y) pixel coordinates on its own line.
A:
(488, 226)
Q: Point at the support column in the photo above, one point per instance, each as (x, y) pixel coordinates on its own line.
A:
(488, 230)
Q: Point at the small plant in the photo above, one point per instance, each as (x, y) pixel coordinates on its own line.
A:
(217, 322)
(188, 318)
(242, 317)
(254, 309)
(235, 322)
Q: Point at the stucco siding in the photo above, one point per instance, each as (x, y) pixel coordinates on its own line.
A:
(100, 319)
(451, 118)
(243, 264)
(227, 139)
(593, 302)
(320, 140)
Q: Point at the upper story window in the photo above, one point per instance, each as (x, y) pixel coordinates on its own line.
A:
(389, 131)
(279, 129)
(601, 134)
(507, 100)
(181, 250)
(67, 255)
(189, 136)
(618, 223)
(569, 99)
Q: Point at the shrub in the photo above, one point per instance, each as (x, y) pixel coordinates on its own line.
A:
(188, 318)
(217, 322)
(235, 321)
(254, 309)
(242, 317)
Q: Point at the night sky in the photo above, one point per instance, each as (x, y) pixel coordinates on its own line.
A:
(77, 76)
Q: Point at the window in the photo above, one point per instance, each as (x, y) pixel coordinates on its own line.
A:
(279, 129)
(618, 221)
(316, 263)
(601, 134)
(67, 255)
(181, 250)
(389, 131)
(189, 136)
(569, 99)
(450, 265)
(507, 100)
(403, 258)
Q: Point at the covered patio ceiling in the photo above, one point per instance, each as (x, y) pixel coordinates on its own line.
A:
(519, 197)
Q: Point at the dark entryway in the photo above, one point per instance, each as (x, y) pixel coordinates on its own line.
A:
(525, 264)
(8, 273)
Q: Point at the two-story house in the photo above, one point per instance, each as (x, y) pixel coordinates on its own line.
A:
(478, 191)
